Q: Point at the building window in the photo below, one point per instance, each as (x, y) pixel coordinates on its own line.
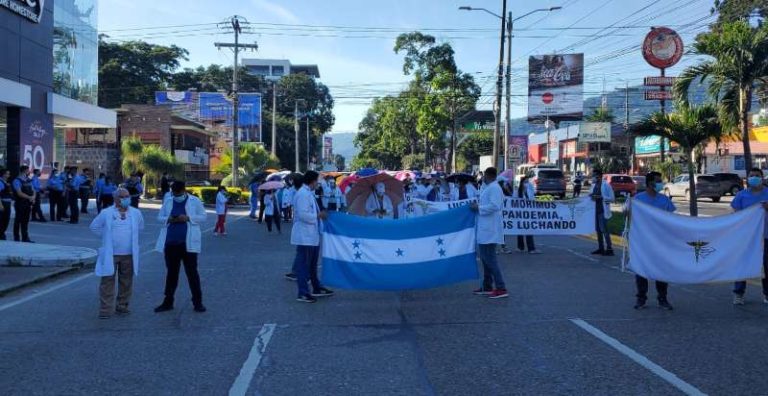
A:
(3, 137)
(278, 70)
(76, 50)
(259, 70)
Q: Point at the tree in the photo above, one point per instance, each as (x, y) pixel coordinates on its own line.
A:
(253, 158)
(130, 152)
(339, 161)
(612, 161)
(601, 114)
(739, 65)
(734, 10)
(214, 78)
(151, 160)
(689, 127)
(476, 145)
(131, 72)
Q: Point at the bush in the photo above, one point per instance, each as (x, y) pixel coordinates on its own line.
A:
(208, 195)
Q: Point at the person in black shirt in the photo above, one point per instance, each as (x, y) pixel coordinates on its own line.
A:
(6, 199)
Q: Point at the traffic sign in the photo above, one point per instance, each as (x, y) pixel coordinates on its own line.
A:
(662, 47)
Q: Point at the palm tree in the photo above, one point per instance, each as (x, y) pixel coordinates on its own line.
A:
(739, 67)
(689, 127)
(131, 149)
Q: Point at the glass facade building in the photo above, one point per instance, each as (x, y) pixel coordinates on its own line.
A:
(76, 50)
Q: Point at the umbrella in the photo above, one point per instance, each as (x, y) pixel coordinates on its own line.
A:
(508, 174)
(259, 177)
(278, 176)
(365, 172)
(365, 186)
(347, 180)
(460, 177)
(405, 174)
(271, 170)
(272, 185)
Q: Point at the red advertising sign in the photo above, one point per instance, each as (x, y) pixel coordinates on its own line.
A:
(658, 95)
(662, 47)
(659, 81)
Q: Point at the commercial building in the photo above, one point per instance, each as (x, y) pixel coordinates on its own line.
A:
(573, 147)
(274, 69)
(48, 79)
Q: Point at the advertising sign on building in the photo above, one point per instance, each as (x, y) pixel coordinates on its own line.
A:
(649, 145)
(593, 132)
(556, 87)
(217, 106)
(29, 9)
(328, 148)
(36, 140)
(518, 150)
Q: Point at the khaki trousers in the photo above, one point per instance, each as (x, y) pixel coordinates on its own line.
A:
(124, 272)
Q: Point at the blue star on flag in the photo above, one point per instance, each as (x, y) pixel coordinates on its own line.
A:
(356, 244)
(440, 241)
(442, 252)
(399, 252)
(358, 255)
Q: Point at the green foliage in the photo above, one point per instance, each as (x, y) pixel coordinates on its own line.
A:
(253, 158)
(734, 10)
(360, 162)
(689, 127)
(476, 145)
(152, 160)
(214, 78)
(413, 161)
(208, 195)
(669, 169)
(601, 115)
(737, 68)
(340, 161)
(131, 72)
(131, 149)
(611, 162)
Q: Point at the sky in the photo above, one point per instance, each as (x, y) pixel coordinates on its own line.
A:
(352, 41)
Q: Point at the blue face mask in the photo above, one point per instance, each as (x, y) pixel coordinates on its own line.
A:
(180, 198)
(658, 187)
(125, 202)
(754, 181)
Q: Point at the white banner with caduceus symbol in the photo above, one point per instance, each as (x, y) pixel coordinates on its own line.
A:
(682, 249)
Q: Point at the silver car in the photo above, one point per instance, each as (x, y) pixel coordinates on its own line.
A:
(707, 186)
(548, 181)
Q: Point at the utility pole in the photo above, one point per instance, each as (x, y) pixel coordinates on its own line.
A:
(274, 123)
(508, 122)
(663, 112)
(499, 82)
(296, 131)
(308, 142)
(236, 23)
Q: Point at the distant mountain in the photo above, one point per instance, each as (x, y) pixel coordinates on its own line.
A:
(343, 143)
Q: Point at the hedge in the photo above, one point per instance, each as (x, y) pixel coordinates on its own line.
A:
(208, 194)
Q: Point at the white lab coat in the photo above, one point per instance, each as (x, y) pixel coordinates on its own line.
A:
(528, 192)
(608, 197)
(372, 204)
(471, 192)
(422, 191)
(195, 212)
(221, 203)
(306, 224)
(102, 225)
(332, 194)
(288, 194)
(489, 219)
(269, 205)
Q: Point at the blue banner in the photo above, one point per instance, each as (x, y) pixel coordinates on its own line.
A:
(215, 106)
(419, 253)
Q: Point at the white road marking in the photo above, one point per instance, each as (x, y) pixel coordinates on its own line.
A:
(662, 373)
(81, 277)
(243, 380)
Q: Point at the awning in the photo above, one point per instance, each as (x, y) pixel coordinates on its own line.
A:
(70, 113)
(15, 94)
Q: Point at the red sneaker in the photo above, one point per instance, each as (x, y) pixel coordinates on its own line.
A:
(482, 292)
(498, 293)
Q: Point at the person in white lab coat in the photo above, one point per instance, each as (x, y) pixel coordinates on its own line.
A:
(525, 190)
(221, 211)
(602, 195)
(305, 235)
(333, 199)
(379, 204)
(463, 190)
(119, 227)
(490, 233)
(271, 211)
(287, 202)
(423, 188)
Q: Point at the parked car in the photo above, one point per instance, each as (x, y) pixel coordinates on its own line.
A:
(707, 186)
(621, 184)
(639, 182)
(548, 181)
(730, 183)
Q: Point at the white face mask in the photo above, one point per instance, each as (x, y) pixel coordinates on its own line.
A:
(380, 189)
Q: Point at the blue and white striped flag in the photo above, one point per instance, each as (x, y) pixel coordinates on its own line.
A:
(380, 254)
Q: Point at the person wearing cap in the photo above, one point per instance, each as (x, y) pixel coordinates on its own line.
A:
(379, 205)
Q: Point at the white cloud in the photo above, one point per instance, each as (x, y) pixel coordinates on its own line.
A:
(282, 13)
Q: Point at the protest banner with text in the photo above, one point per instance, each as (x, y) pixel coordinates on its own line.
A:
(529, 217)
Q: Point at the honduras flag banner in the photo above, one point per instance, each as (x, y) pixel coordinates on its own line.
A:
(681, 249)
(381, 254)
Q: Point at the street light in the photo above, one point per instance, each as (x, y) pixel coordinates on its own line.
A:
(509, 27)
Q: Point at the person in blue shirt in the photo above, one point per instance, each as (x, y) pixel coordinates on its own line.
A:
(55, 196)
(755, 194)
(107, 192)
(97, 191)
(653, 196)
(253, 187)
(24, 198)
(73, 194)
(37, 211)
(6, 199)
(84, 190)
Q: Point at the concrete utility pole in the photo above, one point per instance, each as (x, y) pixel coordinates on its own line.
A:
(308, 142)
(274, 123)
(296, 132)
(236, 23)
(508, 121)
(499, 89)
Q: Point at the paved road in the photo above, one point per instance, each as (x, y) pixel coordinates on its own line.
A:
(568, 328)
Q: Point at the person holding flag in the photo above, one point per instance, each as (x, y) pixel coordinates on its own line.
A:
(652, 196)
(754, 195)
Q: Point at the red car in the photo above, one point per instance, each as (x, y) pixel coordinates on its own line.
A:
(621, 184)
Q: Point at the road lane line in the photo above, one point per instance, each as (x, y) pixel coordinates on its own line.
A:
(243, 380)
(84, 276)
(668, 376)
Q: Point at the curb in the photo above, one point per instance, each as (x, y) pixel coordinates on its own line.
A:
(615, 239)
(39, 279)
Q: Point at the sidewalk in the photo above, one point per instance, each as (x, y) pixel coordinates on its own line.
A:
(15, 278)
(23, 264)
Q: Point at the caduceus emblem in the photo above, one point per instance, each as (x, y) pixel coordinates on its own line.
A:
(700, 249)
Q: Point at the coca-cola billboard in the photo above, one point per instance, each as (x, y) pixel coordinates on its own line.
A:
(556, 87)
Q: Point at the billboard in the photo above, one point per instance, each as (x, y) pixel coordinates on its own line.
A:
(36, 140)
(518, 149)
(555, 87)
(594, 132)
(328, 148)
(216, 106)
(649, 145)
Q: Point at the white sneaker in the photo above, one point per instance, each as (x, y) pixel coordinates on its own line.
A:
(765, 300)
(535, 252)
(738, 300)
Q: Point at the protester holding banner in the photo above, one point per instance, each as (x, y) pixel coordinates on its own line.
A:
(653, 197)
(379, 204)
(755, 194)
(525, 191)
(463, 191)
(602, 195)
(490, 233)
(423, 188)
(305, 234)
